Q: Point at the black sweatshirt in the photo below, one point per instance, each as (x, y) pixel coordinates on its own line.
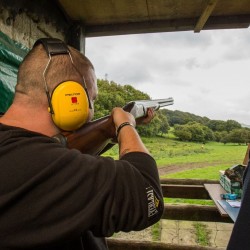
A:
(52, 197)
(241, 230)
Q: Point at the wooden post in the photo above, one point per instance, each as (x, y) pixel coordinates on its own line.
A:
(194, 213)
(115, 244)
(246, 159)
(76, 37)
(185, 191)
(188, 181)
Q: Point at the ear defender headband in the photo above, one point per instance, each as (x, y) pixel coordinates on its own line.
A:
(69, 102)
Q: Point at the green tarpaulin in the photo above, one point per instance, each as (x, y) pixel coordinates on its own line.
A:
(11, 55)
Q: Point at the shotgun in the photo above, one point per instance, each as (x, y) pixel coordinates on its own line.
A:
(139, 108)
(97, 136)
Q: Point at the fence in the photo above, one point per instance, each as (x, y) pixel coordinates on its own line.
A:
(178, 188)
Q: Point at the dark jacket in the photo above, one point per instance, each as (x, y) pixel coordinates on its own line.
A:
(52, 197)
(241, 230)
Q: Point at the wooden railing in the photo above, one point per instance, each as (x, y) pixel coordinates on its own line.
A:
(178, 188)
(138, 245)
(190, 189)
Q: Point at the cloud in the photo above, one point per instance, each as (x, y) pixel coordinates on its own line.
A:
(206, 73)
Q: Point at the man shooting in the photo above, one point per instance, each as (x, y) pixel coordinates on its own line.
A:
(53, 197)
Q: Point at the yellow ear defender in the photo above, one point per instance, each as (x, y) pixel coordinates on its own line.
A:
(69, 102)
(70, 105)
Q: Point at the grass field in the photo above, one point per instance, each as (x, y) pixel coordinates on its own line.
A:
(209, 173)
(213, 156)
(170, 151)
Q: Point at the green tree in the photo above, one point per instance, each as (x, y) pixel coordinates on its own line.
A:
(217, 125)
(182, 132)
(224, 137)
(236, 136)
(221, 136)
(241, 135)
(158, 126)
(209, 134)
(179, 117)
(113, 95)
(197, 131)
(231, 125)
(193, 131)
(164, 125)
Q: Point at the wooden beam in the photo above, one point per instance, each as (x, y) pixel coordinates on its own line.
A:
(227, 22)
(188, 181)
(186, 24)
(76, 37)
(185, 191)
(246, 158)
(117, 244)
(194, 213)
(205, 15)
(140, 27)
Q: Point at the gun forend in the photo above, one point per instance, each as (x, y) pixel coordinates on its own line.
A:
(139, 108)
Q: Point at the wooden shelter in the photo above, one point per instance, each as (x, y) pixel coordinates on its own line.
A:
(23, 21)
(109, 17)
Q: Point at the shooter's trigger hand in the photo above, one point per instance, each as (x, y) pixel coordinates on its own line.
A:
(146, 119)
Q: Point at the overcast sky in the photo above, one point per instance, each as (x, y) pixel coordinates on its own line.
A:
(206, 73)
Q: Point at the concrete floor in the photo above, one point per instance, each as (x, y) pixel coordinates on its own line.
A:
(183, 233)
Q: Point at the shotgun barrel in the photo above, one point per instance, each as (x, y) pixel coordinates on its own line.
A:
(139, 108)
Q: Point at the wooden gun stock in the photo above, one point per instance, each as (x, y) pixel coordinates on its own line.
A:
(92, 138)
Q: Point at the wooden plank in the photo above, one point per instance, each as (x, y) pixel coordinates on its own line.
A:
(187, 181)
(186, 24)
(214, 191)
(246, 158)
(116, 244)
(232, 211)
(185, 191)
(193, 213)
(205, 15)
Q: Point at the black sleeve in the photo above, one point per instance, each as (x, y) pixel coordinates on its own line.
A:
(50, 193)
(241, 231)
(137, 201)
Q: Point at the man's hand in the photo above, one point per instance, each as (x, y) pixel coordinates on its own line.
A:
(120, 116)
(146, 119)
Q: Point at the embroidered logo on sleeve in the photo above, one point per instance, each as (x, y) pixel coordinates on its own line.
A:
(153, 202)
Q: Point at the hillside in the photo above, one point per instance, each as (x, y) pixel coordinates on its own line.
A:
(245, 126)
(112, 94)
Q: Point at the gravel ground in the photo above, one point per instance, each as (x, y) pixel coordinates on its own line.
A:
(144, 235)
